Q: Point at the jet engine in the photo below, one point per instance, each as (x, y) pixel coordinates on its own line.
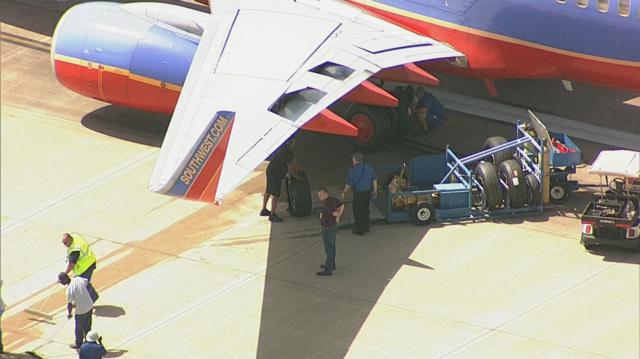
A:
(135, 55)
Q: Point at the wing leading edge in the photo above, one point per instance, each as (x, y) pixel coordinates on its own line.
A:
(263, 71)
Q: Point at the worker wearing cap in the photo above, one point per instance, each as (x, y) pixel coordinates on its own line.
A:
(80, 259)
(78, 296)
(92, 348)
(362, 179)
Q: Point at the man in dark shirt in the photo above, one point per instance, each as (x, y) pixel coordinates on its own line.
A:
(92, 348)
(281, 163)
(362, 179)
(429, 112)
(329, 218)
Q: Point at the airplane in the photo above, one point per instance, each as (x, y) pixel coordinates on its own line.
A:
(589, 41)
(244, 78)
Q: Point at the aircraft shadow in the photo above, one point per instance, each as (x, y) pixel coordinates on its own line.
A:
(129, 125)
(308, 316)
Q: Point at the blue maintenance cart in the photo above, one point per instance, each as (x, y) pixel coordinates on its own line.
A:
(504, 179)
(564, 156)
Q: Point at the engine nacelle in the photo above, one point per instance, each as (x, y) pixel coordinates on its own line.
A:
(133, 55)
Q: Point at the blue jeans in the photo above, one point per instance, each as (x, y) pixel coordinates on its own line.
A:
(329, 240)
(83, 326)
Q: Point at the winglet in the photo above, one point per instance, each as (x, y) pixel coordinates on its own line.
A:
(199, 173)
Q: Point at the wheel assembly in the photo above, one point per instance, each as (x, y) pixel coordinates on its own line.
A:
(372, 123)
(558, 192)
(490, 196)
(511, 174)
(533, 190)
(299, 194)
(422, 214)
(498, 157)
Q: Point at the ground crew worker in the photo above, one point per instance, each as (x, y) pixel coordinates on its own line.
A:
(80, 259)
(329, 218)
(429, 111)
(78, 296)
(92, 348)
(362, 179)
(281, 163)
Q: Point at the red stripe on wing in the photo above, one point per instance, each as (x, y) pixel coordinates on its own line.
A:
(205, 185)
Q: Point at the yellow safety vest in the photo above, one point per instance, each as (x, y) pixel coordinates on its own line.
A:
(86, 258)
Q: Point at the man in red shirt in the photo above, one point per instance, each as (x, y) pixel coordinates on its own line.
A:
(329, 218)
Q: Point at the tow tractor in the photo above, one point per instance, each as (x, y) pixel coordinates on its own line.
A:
(506, 178)
(612, 216)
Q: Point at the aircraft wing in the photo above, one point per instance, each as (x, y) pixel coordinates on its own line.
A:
(262, 70)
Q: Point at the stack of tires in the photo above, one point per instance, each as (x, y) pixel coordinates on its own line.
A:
(503, 182)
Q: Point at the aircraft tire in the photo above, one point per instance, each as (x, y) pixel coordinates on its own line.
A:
(491, 192)
(533, 190)
(495, 141)
(511, 174)
(299, 194)
(373, 125)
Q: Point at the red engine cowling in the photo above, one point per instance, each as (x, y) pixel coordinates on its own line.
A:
(125, 54)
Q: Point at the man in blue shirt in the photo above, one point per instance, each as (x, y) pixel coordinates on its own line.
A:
(429, 112)
(92, 348)
(362, 179)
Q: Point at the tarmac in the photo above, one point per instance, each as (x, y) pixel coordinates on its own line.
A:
(180, 279)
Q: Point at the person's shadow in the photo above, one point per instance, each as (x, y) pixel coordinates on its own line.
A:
(110, 311)
(114, 353)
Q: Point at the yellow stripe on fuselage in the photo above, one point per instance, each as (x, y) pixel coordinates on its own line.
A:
(490, 35)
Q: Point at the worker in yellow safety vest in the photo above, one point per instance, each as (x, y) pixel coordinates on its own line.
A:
(80, 259)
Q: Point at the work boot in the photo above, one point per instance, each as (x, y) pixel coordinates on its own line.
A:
(265, 212)
(275, 218)
(324, 273)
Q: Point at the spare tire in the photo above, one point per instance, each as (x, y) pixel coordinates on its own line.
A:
(511, 174)
(533, 190)
(491, 193)
(498, 157)
(299, 194)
